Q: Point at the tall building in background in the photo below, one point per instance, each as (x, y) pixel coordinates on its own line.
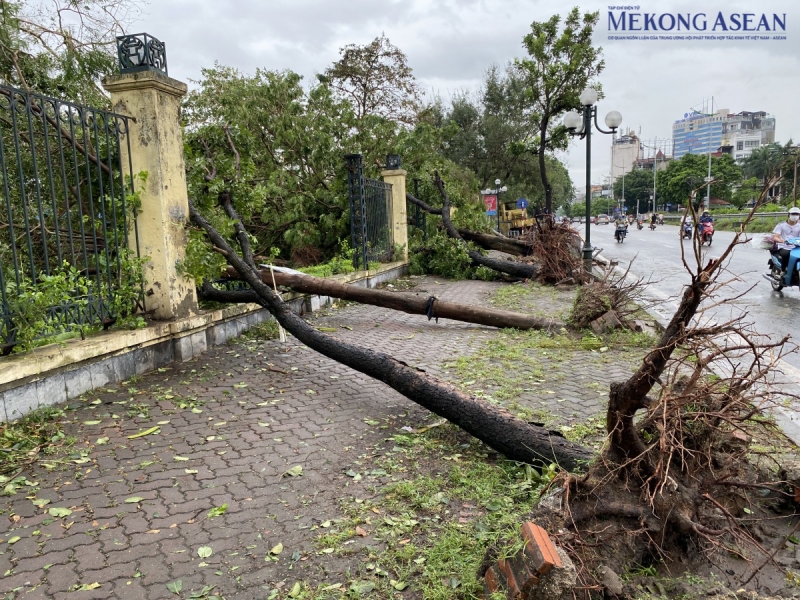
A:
(701, 133)
(625, 151)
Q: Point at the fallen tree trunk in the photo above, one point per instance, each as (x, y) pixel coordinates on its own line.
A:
(516, 247)
(414, 304)
(498, 428)
(497, 242)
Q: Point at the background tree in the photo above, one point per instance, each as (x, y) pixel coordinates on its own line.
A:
(376, 80)
(675, 183)
(638, 186)
(561, 64)
(62, 48)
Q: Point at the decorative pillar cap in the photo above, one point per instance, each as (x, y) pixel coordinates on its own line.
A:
(141, 52)
(393, 162)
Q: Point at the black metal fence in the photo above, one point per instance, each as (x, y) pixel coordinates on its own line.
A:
(370, 216)
(66, 215)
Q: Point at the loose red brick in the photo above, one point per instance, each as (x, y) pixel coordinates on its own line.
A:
(526, 579)
(539, 548)
(493, 579)
(511, 579)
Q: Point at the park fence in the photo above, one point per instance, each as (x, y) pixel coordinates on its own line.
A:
(65, 214)
(370, 216)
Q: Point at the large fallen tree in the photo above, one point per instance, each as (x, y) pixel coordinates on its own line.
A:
(429, 306)
(553, 247)
(682, 479)
(498, 428)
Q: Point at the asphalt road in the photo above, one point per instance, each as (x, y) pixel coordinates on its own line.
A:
(656, 256)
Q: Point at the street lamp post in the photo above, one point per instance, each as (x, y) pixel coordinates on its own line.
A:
(794, 151)
(497, 191)
(580, 124)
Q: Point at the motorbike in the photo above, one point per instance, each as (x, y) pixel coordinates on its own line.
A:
(652, 226)
(706, 231)
(687, 231)
(639, 225)
(776, 277)
(620, 233)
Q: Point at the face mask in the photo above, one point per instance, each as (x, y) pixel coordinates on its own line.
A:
(793, 218)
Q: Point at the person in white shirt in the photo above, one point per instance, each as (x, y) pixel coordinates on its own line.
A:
(790, 228)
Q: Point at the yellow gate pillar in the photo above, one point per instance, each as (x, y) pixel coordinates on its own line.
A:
(396, 177)
(155, 144)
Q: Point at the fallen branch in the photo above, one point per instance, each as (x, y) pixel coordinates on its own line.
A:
(498, 428)
(429, 306)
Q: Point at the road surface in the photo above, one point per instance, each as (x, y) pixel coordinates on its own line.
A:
(656, 256)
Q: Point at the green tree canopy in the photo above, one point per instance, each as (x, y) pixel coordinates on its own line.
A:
(61, 48)
(676, 182)
(638, 186)
(376, 80)
(561, 63)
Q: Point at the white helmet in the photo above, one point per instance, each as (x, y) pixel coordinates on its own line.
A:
(794, 211)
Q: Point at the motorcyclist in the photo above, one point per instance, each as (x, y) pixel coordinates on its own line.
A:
(784, 230)
(653, 220)
(704, 218)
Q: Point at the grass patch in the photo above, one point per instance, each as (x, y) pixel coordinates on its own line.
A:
(431, 525)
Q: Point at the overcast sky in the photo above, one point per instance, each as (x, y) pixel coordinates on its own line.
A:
(451, 43)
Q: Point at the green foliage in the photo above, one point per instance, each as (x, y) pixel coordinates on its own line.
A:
(638, 186)
(676, 182)
(42, 49)
(376, 80)
(340, 264)
(36, 301)
(562, 62)
(29, 302)
(22, 441)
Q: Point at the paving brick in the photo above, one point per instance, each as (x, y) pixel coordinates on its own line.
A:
(539, 548)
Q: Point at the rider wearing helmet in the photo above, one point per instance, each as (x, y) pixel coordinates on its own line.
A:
(785, 230)
(704, 218)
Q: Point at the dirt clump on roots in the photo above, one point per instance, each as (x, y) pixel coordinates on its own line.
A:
(706, 511)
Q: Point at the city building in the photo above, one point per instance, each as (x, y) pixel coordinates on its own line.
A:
(700, 133)
(625, 151)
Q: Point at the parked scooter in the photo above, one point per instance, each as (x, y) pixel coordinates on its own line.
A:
(776, 277)
(706, 231)
(687, 230)
(620, 233)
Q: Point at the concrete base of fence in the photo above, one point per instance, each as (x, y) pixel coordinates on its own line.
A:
(56, 373)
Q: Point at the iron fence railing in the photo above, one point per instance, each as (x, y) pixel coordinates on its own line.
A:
(65, 209)
(371, 230)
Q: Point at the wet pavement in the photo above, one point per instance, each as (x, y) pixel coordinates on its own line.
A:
(219, 472)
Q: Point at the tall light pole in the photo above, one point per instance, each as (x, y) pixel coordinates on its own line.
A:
(496, 192)
(655, 170)
(794, 151)
(581, 124)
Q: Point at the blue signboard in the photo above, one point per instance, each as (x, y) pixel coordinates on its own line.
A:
(522, 203)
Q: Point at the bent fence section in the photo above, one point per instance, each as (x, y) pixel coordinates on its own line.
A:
(65, 219)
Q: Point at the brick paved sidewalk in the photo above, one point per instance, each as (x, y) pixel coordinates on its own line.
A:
(230, 426)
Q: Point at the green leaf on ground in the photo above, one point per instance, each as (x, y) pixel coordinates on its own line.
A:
(55, 511)
(175, 587)
(217, 511)
(133, 500)
(295, 471)
(204, 551)
(155, 429)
